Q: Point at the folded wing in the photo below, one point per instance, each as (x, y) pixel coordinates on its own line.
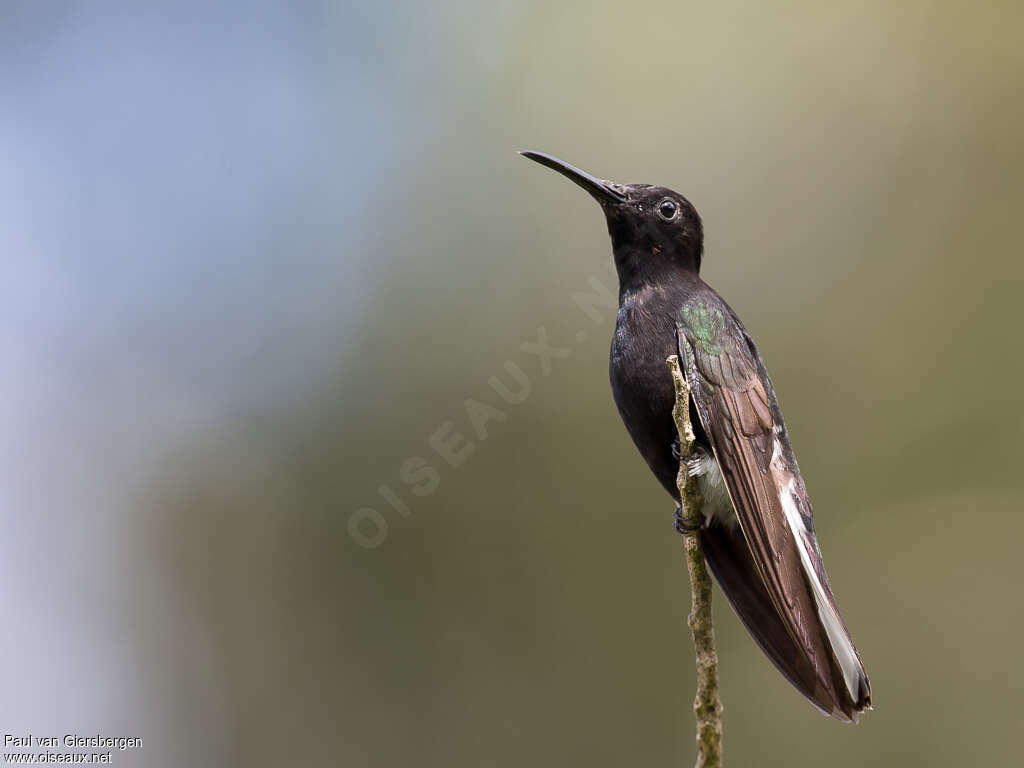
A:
(741, 416)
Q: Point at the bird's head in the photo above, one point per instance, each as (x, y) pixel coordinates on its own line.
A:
(652, 228)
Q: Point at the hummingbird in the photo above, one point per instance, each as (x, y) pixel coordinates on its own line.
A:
(756, 524)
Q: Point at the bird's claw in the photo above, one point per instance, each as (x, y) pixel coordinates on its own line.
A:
(694, 462)
(682, 525)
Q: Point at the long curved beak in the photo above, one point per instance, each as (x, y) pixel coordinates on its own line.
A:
(601, 189)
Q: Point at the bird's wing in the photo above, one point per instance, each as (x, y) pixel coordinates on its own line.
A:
(741, 416)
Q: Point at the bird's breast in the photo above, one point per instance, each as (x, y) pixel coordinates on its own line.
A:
(644, 337)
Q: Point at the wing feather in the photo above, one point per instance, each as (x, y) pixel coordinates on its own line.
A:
(740, 414)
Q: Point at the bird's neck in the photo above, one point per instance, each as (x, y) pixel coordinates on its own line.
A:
(640, 268)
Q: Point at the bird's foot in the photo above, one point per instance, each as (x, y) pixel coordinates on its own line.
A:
(696, 462)
(684, 525)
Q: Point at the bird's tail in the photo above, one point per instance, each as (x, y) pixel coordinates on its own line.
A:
(729, 558)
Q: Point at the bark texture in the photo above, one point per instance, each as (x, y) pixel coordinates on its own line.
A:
(707, 705)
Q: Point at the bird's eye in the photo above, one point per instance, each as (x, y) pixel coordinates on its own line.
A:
(667, 209)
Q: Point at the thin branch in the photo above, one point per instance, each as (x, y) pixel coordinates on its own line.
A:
(707, 705)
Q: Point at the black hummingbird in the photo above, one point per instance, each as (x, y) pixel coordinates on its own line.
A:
(758, 531)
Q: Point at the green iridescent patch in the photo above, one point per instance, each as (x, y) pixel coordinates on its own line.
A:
(705, 323)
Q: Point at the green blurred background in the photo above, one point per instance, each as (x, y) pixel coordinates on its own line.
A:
(259, 255)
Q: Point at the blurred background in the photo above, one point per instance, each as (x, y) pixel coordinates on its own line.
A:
(261, 261)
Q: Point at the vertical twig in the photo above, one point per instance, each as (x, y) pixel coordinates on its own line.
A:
(707, 705)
